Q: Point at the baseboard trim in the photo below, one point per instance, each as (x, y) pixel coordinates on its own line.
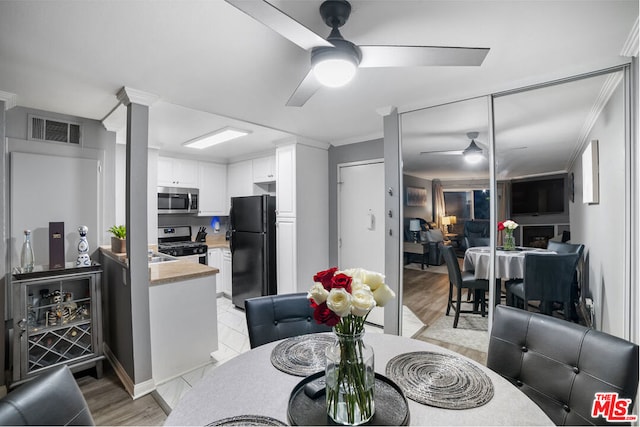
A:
(135, 390)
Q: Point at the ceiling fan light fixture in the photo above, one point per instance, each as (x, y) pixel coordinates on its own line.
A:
(472, 154)
(335, 66)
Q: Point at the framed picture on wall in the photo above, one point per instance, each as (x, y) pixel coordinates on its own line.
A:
(416, 196)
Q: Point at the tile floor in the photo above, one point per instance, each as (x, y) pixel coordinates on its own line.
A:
(233, 340)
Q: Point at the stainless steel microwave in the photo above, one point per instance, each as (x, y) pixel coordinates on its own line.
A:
(172, 200)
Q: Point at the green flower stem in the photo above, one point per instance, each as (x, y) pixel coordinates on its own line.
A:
(351, 373)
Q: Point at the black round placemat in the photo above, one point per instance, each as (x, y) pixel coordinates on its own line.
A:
(391, 407)
(248, 420)
(440, 380)
(302, 355)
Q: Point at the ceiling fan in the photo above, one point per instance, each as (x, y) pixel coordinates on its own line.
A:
(334, 61)
(472, 154)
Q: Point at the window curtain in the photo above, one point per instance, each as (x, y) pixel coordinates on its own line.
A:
(438, 203)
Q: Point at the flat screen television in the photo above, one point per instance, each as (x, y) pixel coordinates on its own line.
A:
(538, 197)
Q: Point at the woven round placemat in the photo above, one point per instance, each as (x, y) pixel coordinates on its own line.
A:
(302, 355)
(440, 380)
(248, 420)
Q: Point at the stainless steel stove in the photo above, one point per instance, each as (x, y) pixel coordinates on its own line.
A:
(176, 241)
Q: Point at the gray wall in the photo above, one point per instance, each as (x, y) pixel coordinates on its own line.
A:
(368, 150)
(600, 227)
(425, 212)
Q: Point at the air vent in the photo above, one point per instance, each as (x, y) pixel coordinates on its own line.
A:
(43, 129)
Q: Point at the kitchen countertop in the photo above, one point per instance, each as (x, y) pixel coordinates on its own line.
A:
(167, 272)
(217, 241)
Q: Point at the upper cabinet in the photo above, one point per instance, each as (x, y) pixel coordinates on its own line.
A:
(286, 179)
(177, 172)
(264, 169)
(212, 180)
(240, 179)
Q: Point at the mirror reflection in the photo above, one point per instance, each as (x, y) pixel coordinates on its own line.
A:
(540, 138)
(446, 202)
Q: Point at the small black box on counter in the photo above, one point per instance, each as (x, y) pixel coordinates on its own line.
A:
(56, 245)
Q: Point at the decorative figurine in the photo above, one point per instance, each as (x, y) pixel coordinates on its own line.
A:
(83, 248)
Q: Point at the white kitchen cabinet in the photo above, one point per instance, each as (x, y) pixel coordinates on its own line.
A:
(214, 259)
(240, 179)
(212, 179)
(226, 269)
(286, 181)
(264, 169)
(177, 172)
(286, 250)
(302, 194)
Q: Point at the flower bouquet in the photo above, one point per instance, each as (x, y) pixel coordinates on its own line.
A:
(508, 226)
(343, 300)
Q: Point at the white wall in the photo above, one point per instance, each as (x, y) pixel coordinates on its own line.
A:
(601, 226)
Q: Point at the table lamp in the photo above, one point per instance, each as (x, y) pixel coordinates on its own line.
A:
(446, 221)
(414, 227)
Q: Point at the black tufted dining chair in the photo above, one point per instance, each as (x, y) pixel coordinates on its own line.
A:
(274, 317)
(561, 365)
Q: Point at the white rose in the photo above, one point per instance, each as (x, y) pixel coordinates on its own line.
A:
(339, 301)
(318, 293)
(373, 280)
(510, 225)
(383, 295)
(362, 302)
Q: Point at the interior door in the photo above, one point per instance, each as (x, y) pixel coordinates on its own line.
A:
(361, 220)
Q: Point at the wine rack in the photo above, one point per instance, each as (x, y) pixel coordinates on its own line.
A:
(57, 320)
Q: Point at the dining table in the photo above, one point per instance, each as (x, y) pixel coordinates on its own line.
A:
(509, 264)
(253, 388)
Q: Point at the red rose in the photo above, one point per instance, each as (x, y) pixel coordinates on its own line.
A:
(323, 314)
(325, 277)
(341, 281)
(501, 226)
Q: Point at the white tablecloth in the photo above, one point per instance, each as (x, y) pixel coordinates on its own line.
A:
(250, 385)
(509, 264)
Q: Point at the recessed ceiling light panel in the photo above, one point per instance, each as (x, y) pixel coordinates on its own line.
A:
(217, 137)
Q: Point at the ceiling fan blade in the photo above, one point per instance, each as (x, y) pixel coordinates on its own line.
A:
(450, 152)
(280, 22)
(419, 56)
(305, 90)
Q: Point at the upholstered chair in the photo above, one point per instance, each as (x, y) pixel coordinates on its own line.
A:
(274, 317)
(53, 398)
(561, 365)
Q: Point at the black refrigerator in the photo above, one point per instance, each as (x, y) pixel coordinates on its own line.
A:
(253, 247)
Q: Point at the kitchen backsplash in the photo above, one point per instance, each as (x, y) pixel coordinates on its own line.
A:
(195, 222)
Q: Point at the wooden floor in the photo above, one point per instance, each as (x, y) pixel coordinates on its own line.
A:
(111, 405)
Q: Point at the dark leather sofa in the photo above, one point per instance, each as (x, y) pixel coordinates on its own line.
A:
(53, 398)
(561, 365)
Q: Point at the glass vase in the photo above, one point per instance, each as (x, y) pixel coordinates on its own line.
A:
(509, 242)
(350, 380)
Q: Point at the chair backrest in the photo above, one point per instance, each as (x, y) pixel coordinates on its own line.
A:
(548, 277)
(274, 317)
(476, 228)
(565, 248)
(561, 365)
(52, 398)
(472, 242)
(453, 268)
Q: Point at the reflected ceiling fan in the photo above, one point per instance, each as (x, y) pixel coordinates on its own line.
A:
(334, 61)
(472, 154)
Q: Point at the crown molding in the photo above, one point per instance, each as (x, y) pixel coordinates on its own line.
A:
(127, 96)
(630, 47)
(10, 99)
(609, 86)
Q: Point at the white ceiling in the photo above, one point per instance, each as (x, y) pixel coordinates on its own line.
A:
(209, 63)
